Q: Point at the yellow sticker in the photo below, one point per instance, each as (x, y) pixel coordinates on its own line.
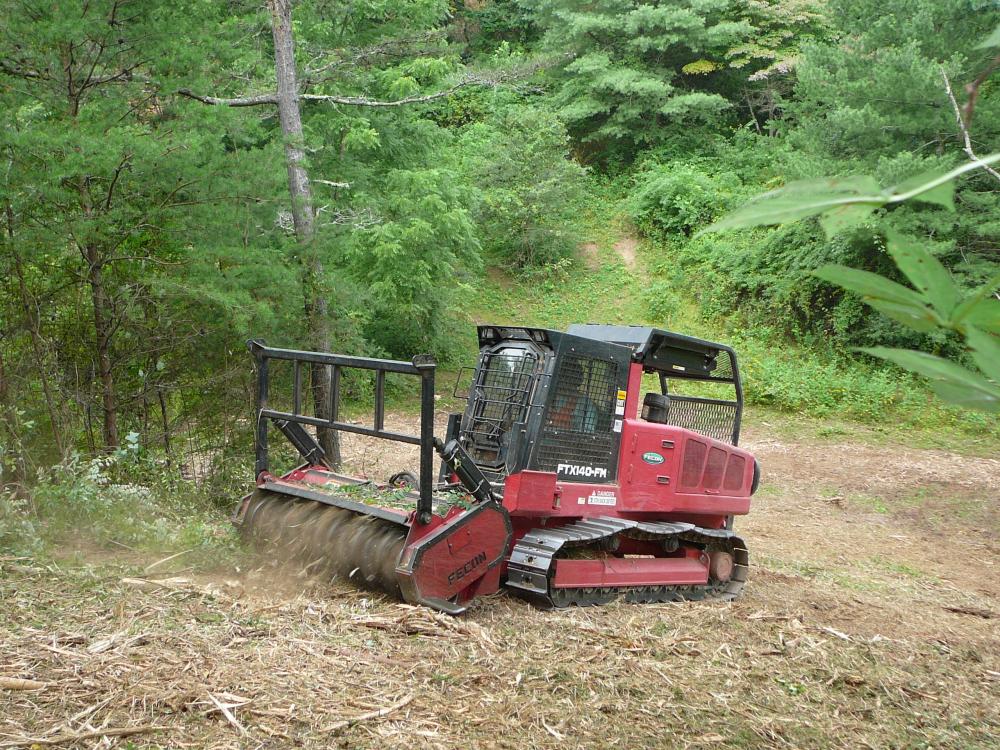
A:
(621, 394)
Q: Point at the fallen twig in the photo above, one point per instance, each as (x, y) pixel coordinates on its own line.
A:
(17, 683)
(166, 559)
(117, 640)
(376, 714)
(974, 611)
(230, 717)
(163, 583)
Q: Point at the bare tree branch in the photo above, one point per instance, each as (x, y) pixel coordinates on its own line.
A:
(12, 68)
(972, 89)
(362, 101)
(963, 126)
(243, 101)
(389, 48)
(486, 80)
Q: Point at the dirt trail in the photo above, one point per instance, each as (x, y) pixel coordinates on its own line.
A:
(625, 247)
(870, 620)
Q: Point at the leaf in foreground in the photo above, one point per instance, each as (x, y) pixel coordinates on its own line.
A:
(951, 382)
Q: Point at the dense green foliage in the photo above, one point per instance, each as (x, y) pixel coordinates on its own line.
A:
(528, 190)
(933, 303)
(868, 99)
(147, 233)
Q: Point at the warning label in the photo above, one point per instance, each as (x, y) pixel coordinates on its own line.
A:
(602, 497)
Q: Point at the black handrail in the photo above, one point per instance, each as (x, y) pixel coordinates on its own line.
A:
(423, 366)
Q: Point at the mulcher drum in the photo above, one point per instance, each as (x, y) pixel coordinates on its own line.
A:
(328, 541)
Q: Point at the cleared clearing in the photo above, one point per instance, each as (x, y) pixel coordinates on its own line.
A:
(871, 620)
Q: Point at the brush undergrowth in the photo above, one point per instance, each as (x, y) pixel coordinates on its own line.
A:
(122, 500)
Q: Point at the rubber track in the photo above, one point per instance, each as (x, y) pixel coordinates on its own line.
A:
(531, 561)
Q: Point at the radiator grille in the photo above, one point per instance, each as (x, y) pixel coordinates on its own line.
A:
(710, 417)
(694, 459)
(714, 468)
(734, 473)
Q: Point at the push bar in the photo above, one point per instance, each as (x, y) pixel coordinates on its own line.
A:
(422, 366)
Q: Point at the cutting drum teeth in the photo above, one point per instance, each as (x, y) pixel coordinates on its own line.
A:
(327, 541)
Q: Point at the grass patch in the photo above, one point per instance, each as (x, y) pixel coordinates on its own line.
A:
(868, 502)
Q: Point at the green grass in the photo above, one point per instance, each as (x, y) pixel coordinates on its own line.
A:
(114, 502)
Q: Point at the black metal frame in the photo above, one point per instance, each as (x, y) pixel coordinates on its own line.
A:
(736, 381)
(674, 356)
(422, 366)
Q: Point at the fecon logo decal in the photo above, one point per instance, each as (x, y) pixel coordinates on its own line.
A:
(652, 458)
(460, 573)
(573, 470)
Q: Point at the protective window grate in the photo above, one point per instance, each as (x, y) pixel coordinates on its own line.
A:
(578, 428)
(501, 396)
(723, 367)
(709, 417)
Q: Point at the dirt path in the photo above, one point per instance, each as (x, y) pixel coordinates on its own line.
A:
(625, 248)
(870, 620)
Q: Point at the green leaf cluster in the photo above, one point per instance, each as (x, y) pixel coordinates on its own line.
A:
(935, 301)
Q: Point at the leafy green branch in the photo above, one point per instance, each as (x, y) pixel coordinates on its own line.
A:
(933, 303)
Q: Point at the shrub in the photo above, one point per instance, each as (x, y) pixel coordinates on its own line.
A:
(679, 198)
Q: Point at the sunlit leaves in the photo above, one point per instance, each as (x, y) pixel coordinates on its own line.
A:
(894, 300)
(842, 202)
(935, 303)
(993, 40)
(950, 381)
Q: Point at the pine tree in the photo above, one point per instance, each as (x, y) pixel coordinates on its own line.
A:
(639, 69)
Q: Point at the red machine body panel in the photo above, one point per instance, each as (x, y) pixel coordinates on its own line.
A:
(662, 469)
(630, 571)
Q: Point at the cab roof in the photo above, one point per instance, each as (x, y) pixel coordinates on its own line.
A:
(672, 354)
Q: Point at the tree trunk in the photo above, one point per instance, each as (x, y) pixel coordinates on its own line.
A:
(102, 333)
(34, 329)
(103, 324)
(303, 216)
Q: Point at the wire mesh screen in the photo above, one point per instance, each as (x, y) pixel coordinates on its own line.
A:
(578, 428)
(711, 417)
(500, 395)
(723, 367)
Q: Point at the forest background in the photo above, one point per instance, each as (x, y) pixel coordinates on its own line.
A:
(375, 177)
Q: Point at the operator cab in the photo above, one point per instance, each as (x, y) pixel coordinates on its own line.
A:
(543, 400)
(553, 401)
(699, 385)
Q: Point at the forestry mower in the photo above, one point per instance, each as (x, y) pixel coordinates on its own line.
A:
(569, 478)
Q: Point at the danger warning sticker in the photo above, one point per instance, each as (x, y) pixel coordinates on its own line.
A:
(602, 497)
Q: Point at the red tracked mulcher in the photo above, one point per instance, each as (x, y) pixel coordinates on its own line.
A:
(565, 480)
